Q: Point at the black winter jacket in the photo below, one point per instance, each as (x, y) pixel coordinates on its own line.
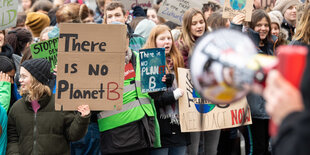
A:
(170, 134)
(45, 132)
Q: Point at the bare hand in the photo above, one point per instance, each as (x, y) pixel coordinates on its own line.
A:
(55, 70)
(164, 78)
(84, 110)
(238, 19)
(4, 77)
(281, 96)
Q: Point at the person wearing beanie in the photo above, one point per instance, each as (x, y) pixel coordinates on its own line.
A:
(288, 10)
(14, 43)
(7, 72)
(36, 22)
(7, 68)
(138, 12)
(34, 127)
(276, 19)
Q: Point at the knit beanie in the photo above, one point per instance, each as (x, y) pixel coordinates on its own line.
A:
(38, 68)
(37, 21)
(276, 17)
(283, 5)
(138, 11)
(6, 64)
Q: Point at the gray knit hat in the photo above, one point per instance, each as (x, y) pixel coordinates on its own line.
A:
(276, 17)
(283, 5)
(39, 68)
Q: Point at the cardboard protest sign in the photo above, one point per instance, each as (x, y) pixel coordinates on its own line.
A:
(234, 7)
(90, 66)
(8, 13)
(152, 70)
(47, 50)
(129, 4)
(192, 109)
(173, 10)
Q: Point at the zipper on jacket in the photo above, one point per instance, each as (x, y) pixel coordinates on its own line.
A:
(35, 134)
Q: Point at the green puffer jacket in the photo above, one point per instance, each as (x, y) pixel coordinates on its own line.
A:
(45, 132)
(5, 94)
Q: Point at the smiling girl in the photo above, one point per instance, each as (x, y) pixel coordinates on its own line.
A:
(259, 30)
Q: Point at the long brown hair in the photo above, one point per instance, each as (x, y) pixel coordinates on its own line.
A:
(303, 27)
(174, 54)
(258, 15)
(186, 36)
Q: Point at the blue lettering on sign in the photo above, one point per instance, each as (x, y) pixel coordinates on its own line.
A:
(172, 14)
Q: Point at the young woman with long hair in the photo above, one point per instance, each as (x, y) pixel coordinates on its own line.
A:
(194, 26)
(259, 30)
(172, 140)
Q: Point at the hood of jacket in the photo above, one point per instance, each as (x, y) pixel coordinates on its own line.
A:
(7, 51)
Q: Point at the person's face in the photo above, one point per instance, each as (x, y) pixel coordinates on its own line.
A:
(152, 15)
(26, 4)
(208, 13)
(262, 27)
(290, 13)
(275, 29)
(164, 40)
(11, 74)
(115, 15)
(89, 19)
(1, 39)
(198, 25)
(24, 79)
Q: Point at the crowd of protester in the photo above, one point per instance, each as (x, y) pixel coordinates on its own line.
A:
(149, 123)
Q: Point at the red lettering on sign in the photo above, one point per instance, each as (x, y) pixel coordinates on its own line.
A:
(237, 117)
(234, 117)
(161, 69)
(113, 91)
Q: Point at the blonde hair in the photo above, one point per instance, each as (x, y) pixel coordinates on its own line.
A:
(36, 90)
(72, 13)
(186, 36)
(303, 27)
(174, 54)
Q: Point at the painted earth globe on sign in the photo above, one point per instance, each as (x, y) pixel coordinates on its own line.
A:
(201, 107)
(237, 4)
